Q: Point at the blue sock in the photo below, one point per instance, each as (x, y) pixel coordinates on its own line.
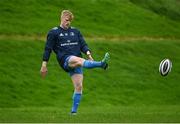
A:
(92, 64)
(76, 101)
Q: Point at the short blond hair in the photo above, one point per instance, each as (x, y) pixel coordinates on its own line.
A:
(67, 13)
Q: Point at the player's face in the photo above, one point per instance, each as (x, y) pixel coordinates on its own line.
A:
(65, 22)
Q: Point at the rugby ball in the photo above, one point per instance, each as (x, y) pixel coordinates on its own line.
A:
(165, 67)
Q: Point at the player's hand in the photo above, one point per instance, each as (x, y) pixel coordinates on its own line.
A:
(90, 58)
(43, 71)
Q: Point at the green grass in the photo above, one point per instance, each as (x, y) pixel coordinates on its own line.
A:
(138, 35)
(101, 17)
(111, 114)
(132, 90)
(167, 8)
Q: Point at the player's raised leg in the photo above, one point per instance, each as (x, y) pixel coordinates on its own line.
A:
(80, 62)
(92, 64)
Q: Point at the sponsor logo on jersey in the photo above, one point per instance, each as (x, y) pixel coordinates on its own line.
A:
(69, 44)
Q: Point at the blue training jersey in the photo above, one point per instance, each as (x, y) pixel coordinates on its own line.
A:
(64, 42)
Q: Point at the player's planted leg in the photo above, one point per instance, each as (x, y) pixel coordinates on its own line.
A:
(77, 80)
(76, 101)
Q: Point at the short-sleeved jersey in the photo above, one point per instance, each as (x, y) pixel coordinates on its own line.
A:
(64, 43)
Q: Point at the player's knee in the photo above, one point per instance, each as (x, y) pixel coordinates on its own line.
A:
(78, 87)
(79, 63)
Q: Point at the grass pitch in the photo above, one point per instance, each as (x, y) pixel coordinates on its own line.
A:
(132, 90)
(125, 114)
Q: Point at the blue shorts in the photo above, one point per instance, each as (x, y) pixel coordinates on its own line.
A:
(77, 70)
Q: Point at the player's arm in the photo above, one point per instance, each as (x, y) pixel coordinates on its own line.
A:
(84, 47)
(44, 69)
(47, 52)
